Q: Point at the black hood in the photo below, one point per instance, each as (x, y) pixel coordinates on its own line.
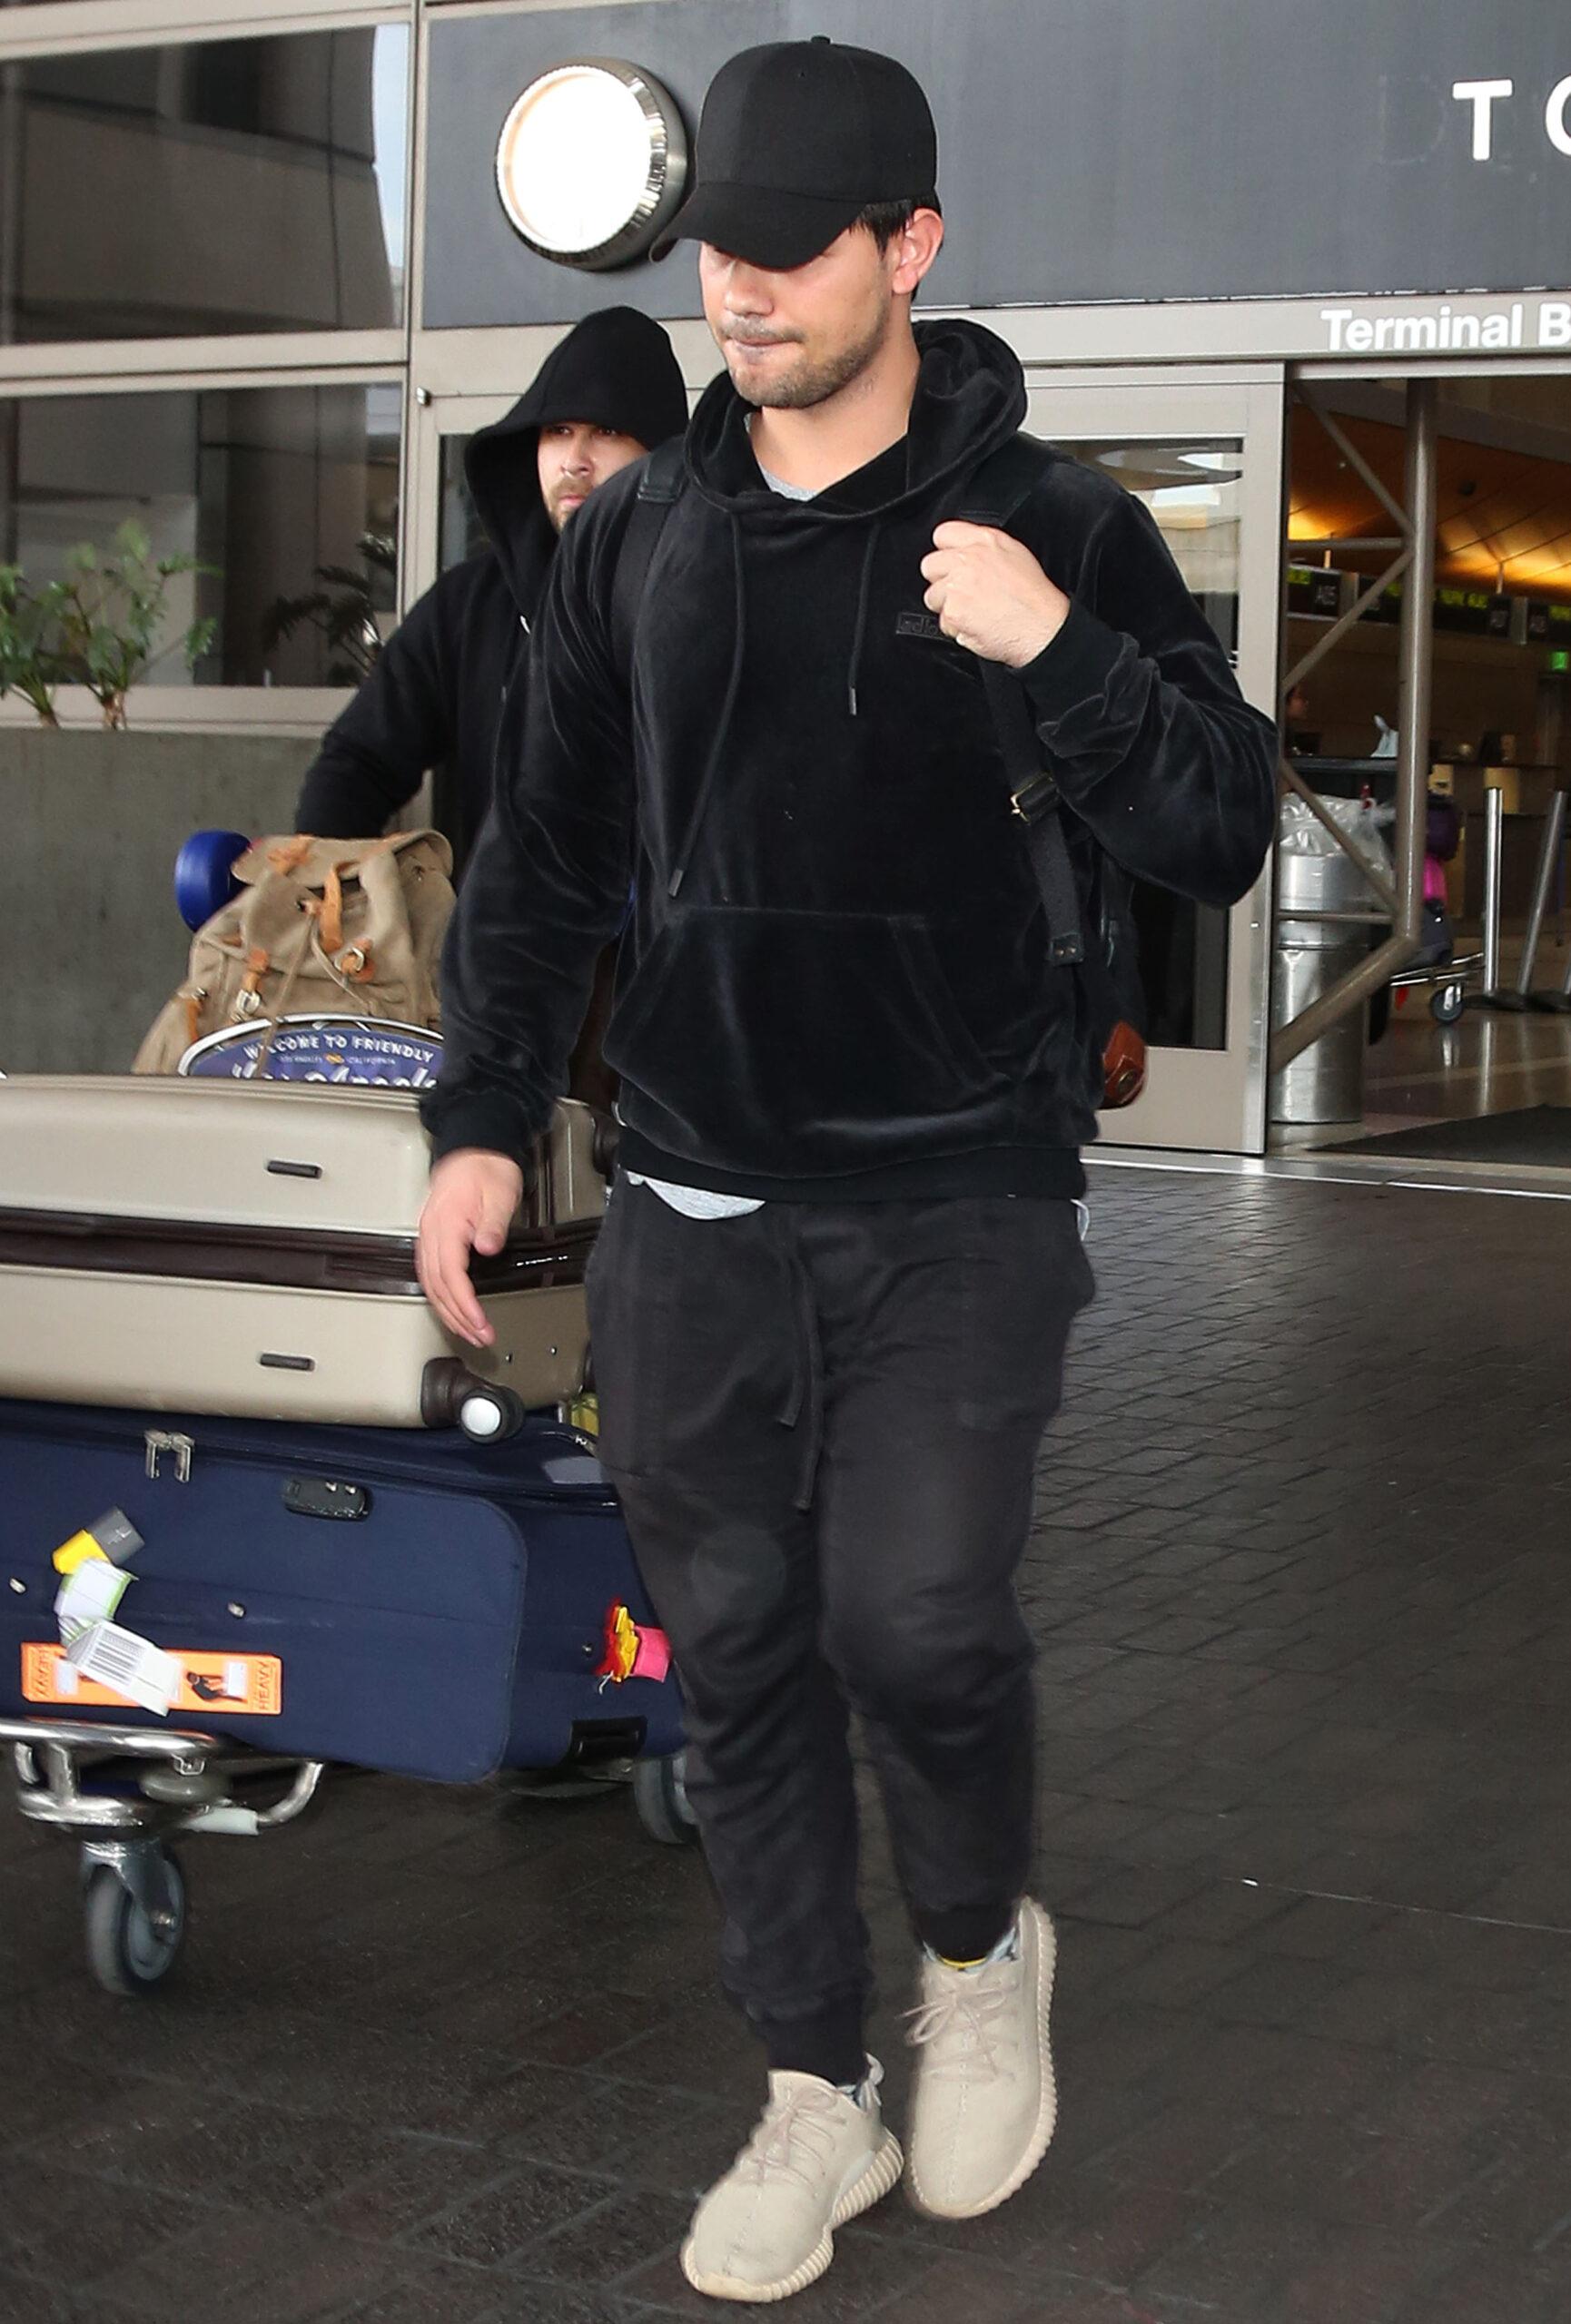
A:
(617, 370)
(970, 399)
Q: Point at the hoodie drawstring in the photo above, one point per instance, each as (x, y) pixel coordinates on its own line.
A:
(734, 684)
(859, 628)
(728, 706)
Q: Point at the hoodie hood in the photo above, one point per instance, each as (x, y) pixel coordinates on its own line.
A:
(616, 369)
(970, 399)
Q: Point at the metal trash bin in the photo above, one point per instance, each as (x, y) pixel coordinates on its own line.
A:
(1325, 1082)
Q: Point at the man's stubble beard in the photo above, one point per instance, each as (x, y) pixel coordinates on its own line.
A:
(815, 383)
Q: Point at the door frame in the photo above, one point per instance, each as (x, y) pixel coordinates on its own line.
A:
(433, 416)
(1205, 1100)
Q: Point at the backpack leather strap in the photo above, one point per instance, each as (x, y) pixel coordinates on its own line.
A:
(1003, 481)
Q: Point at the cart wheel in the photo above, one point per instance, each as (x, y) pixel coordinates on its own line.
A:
(129, 1949)
(660, 1797)
(487, 1415)
(1448, 1004)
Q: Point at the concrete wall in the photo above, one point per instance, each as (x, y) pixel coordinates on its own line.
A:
(91, 944)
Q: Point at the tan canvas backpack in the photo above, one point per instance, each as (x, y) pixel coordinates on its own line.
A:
(321, 925)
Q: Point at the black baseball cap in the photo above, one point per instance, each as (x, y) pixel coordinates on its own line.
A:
(794, 140)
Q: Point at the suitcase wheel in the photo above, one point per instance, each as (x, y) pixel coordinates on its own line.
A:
(660, 1797)
(131, 1946)
(487, 1415)
(451, 1395)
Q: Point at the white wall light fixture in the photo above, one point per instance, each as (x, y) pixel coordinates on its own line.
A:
(592, 163)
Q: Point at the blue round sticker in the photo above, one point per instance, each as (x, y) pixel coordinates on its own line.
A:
(356, 1052)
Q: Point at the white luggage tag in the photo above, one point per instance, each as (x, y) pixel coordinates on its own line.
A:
(126, 1664)
(90, 1594)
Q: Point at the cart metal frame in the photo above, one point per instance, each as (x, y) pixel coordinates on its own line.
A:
(188, 1782)
(1448, 981)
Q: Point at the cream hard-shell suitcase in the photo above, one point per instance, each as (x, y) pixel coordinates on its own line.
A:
(248, 1248)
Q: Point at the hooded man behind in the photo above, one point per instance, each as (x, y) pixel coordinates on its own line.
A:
(436, 694)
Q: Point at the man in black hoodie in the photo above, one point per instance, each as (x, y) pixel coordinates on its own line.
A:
(831, 1302)
(610, 390)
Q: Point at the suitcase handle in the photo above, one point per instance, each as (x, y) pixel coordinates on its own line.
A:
(603, 1146)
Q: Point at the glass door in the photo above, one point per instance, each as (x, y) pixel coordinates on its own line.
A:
(443, 530)
(443, 527)
(1205, 455)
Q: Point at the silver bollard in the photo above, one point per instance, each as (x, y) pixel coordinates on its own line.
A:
(1493, 813)
(1560, 1002)
(1543, 881)
(1492, 996)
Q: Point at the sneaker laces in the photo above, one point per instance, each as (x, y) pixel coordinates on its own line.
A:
(961, 2027)
(795, 2139)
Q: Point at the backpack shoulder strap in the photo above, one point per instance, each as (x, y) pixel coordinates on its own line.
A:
(1004, 479)
(661, 488)
(1007, 477)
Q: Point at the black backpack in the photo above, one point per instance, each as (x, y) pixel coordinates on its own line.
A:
(1085, 895)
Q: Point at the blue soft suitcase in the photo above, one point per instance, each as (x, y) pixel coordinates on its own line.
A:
(412, 1603)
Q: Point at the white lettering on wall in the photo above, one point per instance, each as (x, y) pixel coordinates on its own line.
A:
(1437, 330)
(1555, 115)
(1482, 96)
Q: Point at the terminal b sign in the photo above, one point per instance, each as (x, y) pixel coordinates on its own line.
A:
(1443, 326)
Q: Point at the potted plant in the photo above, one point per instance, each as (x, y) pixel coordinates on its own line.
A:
(30, 663)
(110, 610)
(344, 610)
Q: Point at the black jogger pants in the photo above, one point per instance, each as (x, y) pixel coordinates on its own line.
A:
(823, 1420)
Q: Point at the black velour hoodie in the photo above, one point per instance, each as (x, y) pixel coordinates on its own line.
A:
(436, 694)
(835, 982)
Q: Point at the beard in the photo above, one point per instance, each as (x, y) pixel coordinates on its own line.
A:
(811, 379)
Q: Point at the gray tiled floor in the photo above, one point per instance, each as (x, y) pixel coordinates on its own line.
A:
(1303, 1590)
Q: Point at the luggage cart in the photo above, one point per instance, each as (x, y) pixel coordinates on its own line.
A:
(1447, 984)
(532, 1543)
(126, 1793)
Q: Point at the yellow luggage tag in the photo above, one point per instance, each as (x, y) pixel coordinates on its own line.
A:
(112, 1537)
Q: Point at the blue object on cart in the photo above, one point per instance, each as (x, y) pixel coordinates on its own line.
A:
(205, 878)
(417, 1603)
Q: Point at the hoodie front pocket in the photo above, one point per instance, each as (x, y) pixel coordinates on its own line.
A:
(778, 1038)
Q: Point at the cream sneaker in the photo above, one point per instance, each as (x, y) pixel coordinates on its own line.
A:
(984, 2102)
(816, 2159)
